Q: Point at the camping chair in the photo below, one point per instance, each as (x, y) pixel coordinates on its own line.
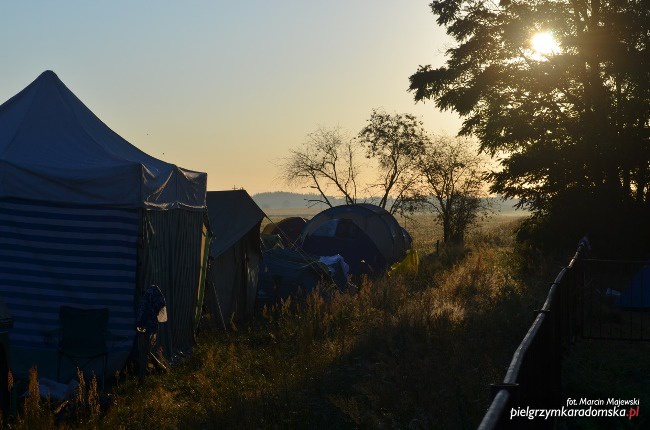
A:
(82, 337)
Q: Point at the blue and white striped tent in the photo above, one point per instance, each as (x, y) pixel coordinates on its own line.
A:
(79, 207)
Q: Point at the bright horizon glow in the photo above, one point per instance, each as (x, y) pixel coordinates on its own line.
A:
(544, 44)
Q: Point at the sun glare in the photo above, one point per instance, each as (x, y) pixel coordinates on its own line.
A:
(544, 44)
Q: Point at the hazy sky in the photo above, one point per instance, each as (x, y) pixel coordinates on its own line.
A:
(226, 87)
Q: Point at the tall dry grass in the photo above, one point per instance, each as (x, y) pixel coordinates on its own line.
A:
(416, 351)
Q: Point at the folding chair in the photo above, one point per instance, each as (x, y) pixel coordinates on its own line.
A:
(83, 335)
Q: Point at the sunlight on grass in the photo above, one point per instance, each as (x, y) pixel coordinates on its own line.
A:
(408, 351)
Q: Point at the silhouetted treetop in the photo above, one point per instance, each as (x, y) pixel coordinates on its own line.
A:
(571, 119)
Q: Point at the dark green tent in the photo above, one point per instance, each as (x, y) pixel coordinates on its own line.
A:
(235, 221)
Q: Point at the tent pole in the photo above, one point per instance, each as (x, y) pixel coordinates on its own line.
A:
(216, 298)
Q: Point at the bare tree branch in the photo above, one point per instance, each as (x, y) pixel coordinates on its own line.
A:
(316, 165)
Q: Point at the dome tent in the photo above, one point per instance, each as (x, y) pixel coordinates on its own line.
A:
(288, 229)
(89, 220)
(368, 237)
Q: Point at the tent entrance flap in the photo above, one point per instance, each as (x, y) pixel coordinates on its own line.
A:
(172, 257)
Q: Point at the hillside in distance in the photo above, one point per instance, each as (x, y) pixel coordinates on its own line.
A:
(286, 200)
(282, 200)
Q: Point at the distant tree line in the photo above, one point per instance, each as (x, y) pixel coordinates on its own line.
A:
(286, 199)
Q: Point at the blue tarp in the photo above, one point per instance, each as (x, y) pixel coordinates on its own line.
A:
(287, 272)
(637, 294)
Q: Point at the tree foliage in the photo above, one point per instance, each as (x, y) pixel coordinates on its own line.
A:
(571, 128)
(394, 141)
(327, 162)
(453, 184)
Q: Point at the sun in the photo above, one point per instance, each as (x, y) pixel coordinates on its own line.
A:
(544, 44)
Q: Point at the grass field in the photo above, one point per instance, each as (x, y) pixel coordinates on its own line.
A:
(417, 352)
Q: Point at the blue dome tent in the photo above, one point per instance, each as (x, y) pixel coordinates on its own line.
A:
(368, 237)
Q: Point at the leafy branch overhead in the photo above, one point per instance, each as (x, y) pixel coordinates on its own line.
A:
(394, 141)
(571, 124)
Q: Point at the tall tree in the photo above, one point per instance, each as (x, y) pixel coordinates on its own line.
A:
(394, 141)
(570, 125)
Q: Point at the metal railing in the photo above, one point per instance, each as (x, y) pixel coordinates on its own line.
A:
(534, 377)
